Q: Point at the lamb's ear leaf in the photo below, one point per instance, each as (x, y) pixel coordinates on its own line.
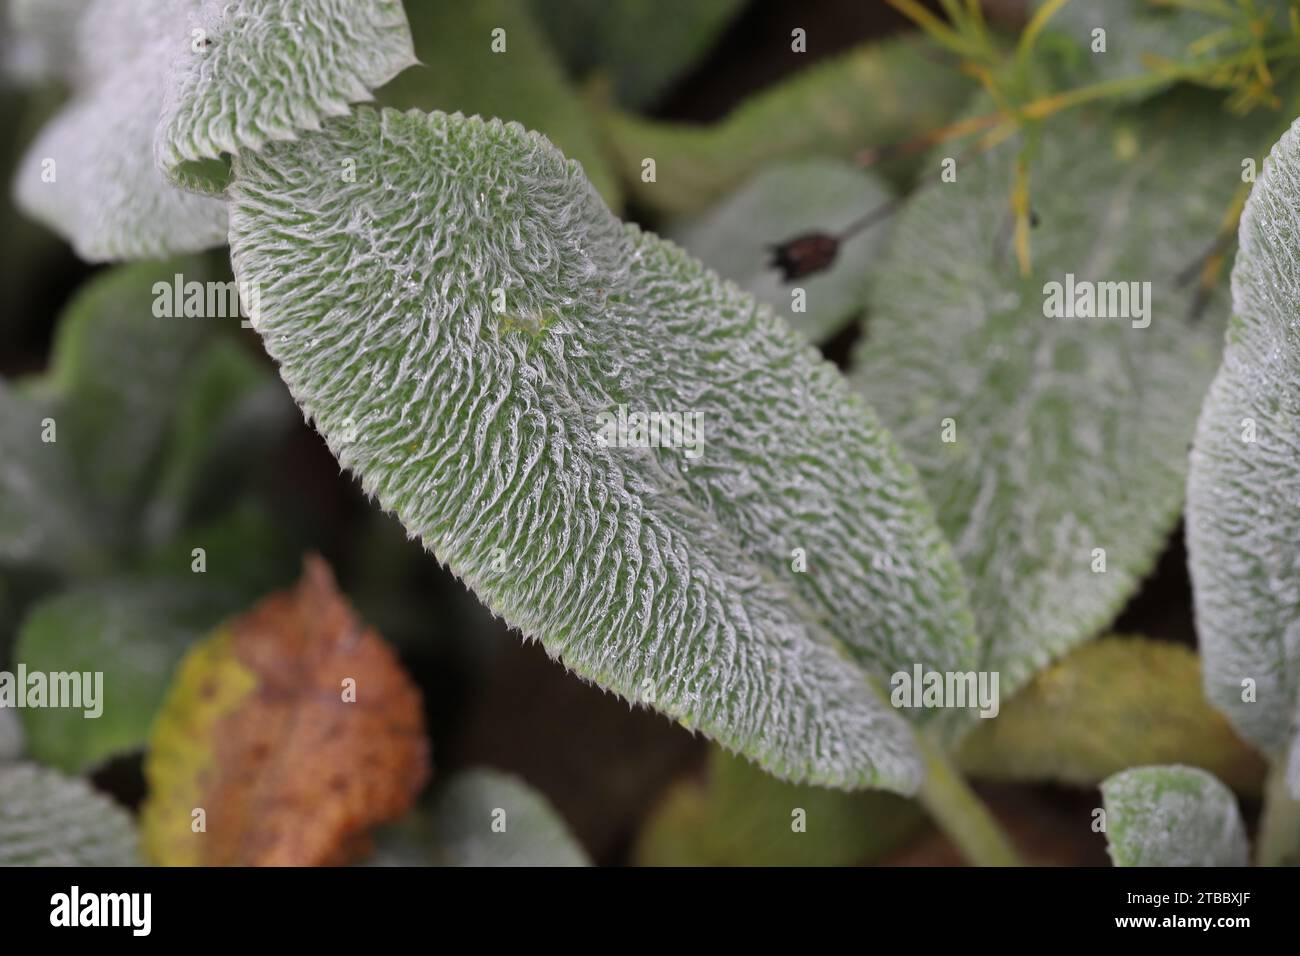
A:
(47, 819)
(1172, 816)
(469, 347)
(228, 88)
(741, 816)
(641, 46)
(44, 521)
(1111, 40)
(874, 95)
(737, 237)
(42, 40)
(490, 58)
(1054, 447)
(132, 632)
(1112, 703)
(90, 175)
(1243, 520)
(481, 818)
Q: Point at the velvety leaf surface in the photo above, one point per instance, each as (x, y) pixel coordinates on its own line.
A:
(1243, 522)
(47, 819)
(1069, 434)
(259, 731)
(1172, 816)
(269, 69)
(664, 577)
(460, 71)
(736, 236)
(1107, 705)
(103, 192)
(133, 633)
(872, 96)
(615, 40)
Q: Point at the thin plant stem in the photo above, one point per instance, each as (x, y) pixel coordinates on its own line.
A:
(1279, 822)
(960, 814)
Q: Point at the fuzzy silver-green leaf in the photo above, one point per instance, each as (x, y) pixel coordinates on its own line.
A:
(1068, 435)
(1172, 816)
(665, 578)
(1243, 491)
(47, 819)
(90, 174)
(265, 70)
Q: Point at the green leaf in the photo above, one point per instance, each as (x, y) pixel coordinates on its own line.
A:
(246, 552)
(1242, 515)
(227, 413)
(664, 577)
(116, 368)
(1172, 816)
(741, 816)
(1110, 704)
(460, 72)
(269, 70)
(872, 96)
(1069, 435)
(736, 237)
(90, 174)
(1141, 37)
(47, 819)
(43, 519)
(133, 633)
(642, 46)
(481, 818)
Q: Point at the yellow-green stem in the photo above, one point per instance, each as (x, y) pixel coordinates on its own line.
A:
(1279, 822)
(960, 814)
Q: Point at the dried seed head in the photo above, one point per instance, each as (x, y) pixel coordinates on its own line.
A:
(804, 255)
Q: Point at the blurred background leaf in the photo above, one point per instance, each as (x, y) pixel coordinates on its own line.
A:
(114, 371)
(480, 817)
(874, 96)
(1068, 434)
(613, 41)
(1139, 36)
(133, 632)
(740, 816)
(44, 520)
(1172, 816)
(1113, 703)
(11, 735)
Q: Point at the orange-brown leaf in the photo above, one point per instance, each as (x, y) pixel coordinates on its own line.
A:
(261, 733)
